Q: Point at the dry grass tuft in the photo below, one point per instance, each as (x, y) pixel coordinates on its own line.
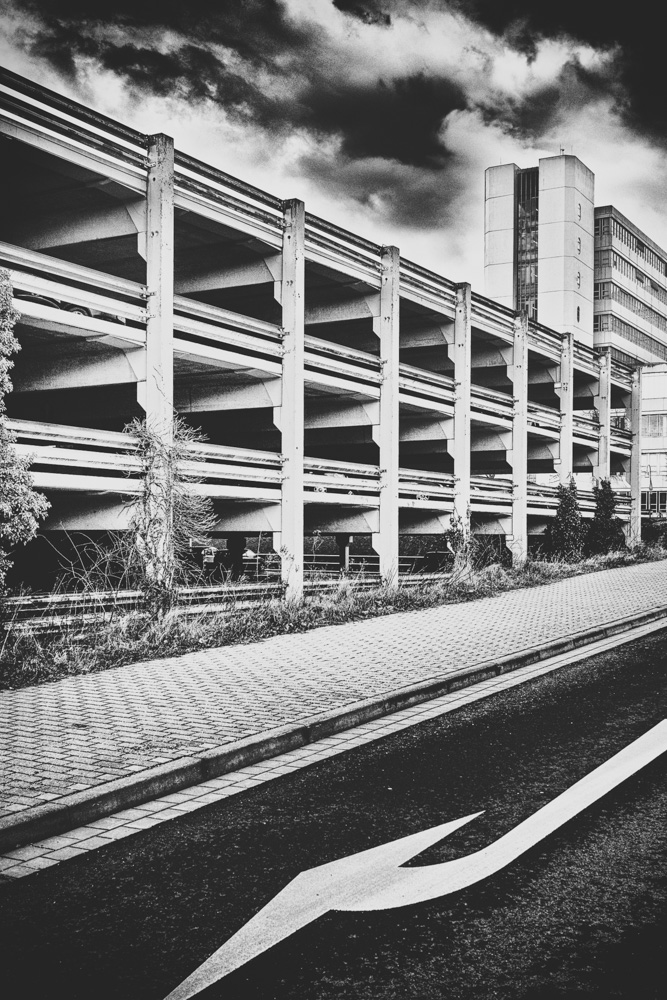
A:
(36, 657)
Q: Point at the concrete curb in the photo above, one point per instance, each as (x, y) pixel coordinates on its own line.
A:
(83, 807)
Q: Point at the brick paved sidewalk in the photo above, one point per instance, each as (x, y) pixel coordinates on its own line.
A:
(77, 734)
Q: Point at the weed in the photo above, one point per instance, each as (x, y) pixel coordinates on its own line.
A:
(83, 646)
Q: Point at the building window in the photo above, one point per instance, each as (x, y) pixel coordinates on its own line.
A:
(527, 202)
(654, 425)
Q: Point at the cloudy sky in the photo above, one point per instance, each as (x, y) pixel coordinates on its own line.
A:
(380, 114)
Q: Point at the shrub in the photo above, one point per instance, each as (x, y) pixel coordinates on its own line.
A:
(564, 538)
(21, 506)
(605, 533)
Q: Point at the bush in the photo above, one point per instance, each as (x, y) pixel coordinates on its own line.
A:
(21, 506)
(605, 533)
(564, 538)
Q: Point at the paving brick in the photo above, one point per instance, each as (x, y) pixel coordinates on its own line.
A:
(154, 712)
(66, 853)
(93, 842)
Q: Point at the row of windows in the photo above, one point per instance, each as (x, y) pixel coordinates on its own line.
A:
(656, 501)
(607, 226)
(527, 200)
(608, 290)
(608, 258)
(608, 323)
(654, 425)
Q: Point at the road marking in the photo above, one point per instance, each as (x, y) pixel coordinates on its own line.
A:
(374, 880)
(229, 785)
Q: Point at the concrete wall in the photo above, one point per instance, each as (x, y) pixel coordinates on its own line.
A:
(566, 246)
(499, 233)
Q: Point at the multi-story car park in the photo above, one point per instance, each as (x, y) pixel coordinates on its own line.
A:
(586, 269)
(342, 388)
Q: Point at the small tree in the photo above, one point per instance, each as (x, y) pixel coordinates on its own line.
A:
(21, 506)
(605, 533)
(166, 517)
(169, 515)
(564, 538)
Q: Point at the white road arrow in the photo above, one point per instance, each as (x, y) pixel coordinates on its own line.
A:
(373, 880)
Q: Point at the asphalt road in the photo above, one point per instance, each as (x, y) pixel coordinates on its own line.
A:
(581, 914)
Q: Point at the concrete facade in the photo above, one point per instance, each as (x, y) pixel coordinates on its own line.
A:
(539, 242)
(630, 290)
(342, 388)
(654, 443)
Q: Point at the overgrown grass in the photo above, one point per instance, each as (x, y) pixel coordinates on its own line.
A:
(33, 657)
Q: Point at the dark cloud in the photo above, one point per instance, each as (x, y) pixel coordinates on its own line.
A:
(189, 72)
(268, 70)
(635, 35)
(409, 197)
(256, 30)
(537, 113)
(399, 120)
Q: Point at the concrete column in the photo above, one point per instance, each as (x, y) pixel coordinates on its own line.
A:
(292, 410)
(518, 372)
(603, 405)
(386, 327)
(565, 391)
(460, 354)
(235, 548)
(635, 525)
(159, 392)
(343, 543)
(157, 396)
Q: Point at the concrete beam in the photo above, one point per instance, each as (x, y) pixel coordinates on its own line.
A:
(192, 397)
(329, 309)
(427, 335)
(83, 226)
(423, 522)
(586, 388)
(460, 353)
(291, 417)
(86, 512)
(341, 414)
(491, 356)
(207, 278)
(339, 520)
(426, 430)
(37, 373)
(492, 524)
(542, 450)
(247, 517)
(543, 375)
(488, 439)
